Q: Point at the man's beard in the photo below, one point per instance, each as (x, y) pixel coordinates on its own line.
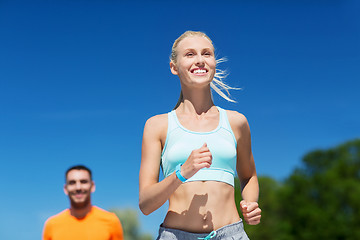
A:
(80, 205)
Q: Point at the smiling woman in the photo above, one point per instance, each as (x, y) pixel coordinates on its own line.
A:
(217, 83)
(200, 147)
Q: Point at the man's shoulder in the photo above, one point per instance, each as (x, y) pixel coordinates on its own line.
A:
(58, 217)
(104, 214)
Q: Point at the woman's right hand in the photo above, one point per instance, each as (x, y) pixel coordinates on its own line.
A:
(198, 159)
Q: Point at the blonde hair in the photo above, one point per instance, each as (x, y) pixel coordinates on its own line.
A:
(217, 83)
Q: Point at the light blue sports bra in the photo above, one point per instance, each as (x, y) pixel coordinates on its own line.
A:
(180, 142)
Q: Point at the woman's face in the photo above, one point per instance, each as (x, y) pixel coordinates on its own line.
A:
(195, 63)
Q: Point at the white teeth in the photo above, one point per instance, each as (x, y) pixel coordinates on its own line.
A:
(200, 71)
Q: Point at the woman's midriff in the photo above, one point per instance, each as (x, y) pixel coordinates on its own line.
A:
(201, 207)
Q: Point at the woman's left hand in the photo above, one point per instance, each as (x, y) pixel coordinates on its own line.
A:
(251, 212)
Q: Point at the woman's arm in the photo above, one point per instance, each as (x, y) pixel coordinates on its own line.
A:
(246, 169)
(152, 193)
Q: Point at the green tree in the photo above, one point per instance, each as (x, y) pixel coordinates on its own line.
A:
(130, 223)
(319, 200)
(322, 198)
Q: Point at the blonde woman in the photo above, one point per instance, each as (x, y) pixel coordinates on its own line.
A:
(200, 147)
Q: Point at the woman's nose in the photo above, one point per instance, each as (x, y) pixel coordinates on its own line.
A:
(200, 59)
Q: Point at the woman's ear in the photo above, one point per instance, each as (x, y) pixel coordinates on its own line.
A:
(173, 68)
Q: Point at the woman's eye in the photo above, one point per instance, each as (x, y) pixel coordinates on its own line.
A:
(189, 54)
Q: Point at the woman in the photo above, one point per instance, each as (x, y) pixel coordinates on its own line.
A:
(199, 147)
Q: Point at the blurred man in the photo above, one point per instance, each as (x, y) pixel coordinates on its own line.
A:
(82, 221)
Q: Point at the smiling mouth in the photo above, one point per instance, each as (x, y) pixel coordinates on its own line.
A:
(79, 195)
(199, 71)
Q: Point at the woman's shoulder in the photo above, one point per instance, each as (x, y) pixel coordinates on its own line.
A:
(236, 118)
(157, 123)
(156, 127)
(238, 123)
(157, 119)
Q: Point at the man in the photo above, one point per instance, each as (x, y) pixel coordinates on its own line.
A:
(82, 221)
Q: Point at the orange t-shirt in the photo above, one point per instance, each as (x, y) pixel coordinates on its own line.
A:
(98, 224)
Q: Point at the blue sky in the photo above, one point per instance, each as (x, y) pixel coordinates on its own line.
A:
(78, 79)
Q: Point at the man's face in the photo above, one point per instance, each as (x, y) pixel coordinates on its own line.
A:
(79, 187)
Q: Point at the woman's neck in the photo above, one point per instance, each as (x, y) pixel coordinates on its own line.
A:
(196, 101)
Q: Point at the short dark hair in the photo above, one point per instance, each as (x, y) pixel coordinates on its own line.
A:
(78, 167)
